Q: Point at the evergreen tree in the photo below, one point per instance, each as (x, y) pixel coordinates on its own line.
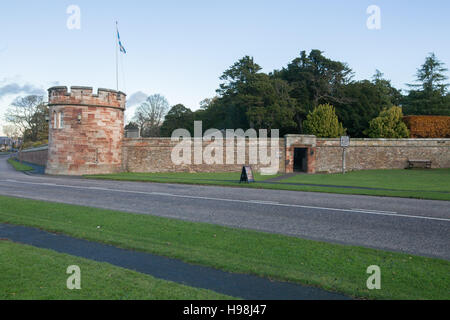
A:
(389, 124)
(324, 123)
(314, 79)
(430, 96)
(178, 117)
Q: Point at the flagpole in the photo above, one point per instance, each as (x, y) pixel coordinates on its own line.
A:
(117, 56)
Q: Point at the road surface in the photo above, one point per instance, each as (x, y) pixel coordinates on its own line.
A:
(420, 227)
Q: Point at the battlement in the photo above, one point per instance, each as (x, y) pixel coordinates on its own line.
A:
(84, 96)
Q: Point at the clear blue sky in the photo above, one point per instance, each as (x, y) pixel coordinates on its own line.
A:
(180, 48)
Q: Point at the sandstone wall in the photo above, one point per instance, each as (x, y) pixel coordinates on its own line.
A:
(367, 154)
(155, 155)
(90, 140)
(37, 156)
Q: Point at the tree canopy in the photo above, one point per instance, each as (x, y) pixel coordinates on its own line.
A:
(178, 117)
(149, 116)
(250, 98)
(429, 96)
(28, 115)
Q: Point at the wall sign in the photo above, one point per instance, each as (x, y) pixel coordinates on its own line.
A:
(345, 141)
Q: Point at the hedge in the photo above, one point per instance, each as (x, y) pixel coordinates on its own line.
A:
(428, 126)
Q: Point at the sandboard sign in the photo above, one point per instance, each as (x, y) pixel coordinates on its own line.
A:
(247, 175)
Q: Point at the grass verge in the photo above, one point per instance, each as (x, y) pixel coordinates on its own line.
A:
(329, 266)
(39, 274)
(19, 166)
(420, 184)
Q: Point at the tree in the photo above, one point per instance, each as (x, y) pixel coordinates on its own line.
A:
(324, 123)
(270, 106)
(29, 114)
(179, 117)
(389, 124)
(150, 115)
(430, 96)
(238, 76)
(430, 76)
(11, 131)
(365, 100)
(314, 79)
(248, 98)
(236, 94)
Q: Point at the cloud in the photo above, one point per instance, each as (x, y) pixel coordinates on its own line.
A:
(15, 89)
(133, 102)
(10, 90)
(136, 98)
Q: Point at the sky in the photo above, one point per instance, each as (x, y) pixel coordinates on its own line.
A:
(180, 48)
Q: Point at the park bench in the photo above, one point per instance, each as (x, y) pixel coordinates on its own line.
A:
(426, 164)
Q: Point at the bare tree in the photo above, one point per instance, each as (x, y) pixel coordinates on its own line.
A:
(27, 114)
(11, 131)
(150, 115)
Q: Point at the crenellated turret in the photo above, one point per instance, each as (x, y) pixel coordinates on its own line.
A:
(86, 131)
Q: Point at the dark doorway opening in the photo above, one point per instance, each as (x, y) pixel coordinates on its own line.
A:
(300, 160)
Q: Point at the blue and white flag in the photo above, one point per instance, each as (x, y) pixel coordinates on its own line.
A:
(122, 49)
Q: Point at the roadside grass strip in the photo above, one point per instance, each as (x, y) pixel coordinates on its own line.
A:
(19, 166)
(420, 184)
(332, 267)
(39, 274)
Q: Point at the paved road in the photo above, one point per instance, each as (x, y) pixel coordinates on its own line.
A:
(419, 227)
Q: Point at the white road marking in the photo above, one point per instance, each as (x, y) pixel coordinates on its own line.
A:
(377, 211)
(263, 202)
(162, 194)
(365, 211)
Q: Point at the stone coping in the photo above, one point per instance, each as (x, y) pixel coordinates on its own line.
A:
(42, 148)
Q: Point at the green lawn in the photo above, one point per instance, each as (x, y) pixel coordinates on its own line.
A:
(330, 266)
(217, 178)
(436, 180)
(19, 166)
(421, 184)
(30, 273)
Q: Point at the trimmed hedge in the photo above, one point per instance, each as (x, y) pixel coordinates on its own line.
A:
(428, 126)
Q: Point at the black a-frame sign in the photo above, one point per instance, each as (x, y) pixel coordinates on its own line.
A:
(247, 175)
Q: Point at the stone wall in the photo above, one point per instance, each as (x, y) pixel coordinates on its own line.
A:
(323, 155)
(155, 155)
(367, 154)
(37, 156)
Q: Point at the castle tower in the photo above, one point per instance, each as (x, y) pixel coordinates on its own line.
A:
(86, 131)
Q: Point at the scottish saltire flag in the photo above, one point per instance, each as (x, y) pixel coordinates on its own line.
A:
(122, 49)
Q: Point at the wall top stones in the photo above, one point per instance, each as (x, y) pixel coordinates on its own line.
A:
(84, 96)
(298, 139)
(386, 142)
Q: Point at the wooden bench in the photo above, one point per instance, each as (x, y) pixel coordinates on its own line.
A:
(425, 164)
